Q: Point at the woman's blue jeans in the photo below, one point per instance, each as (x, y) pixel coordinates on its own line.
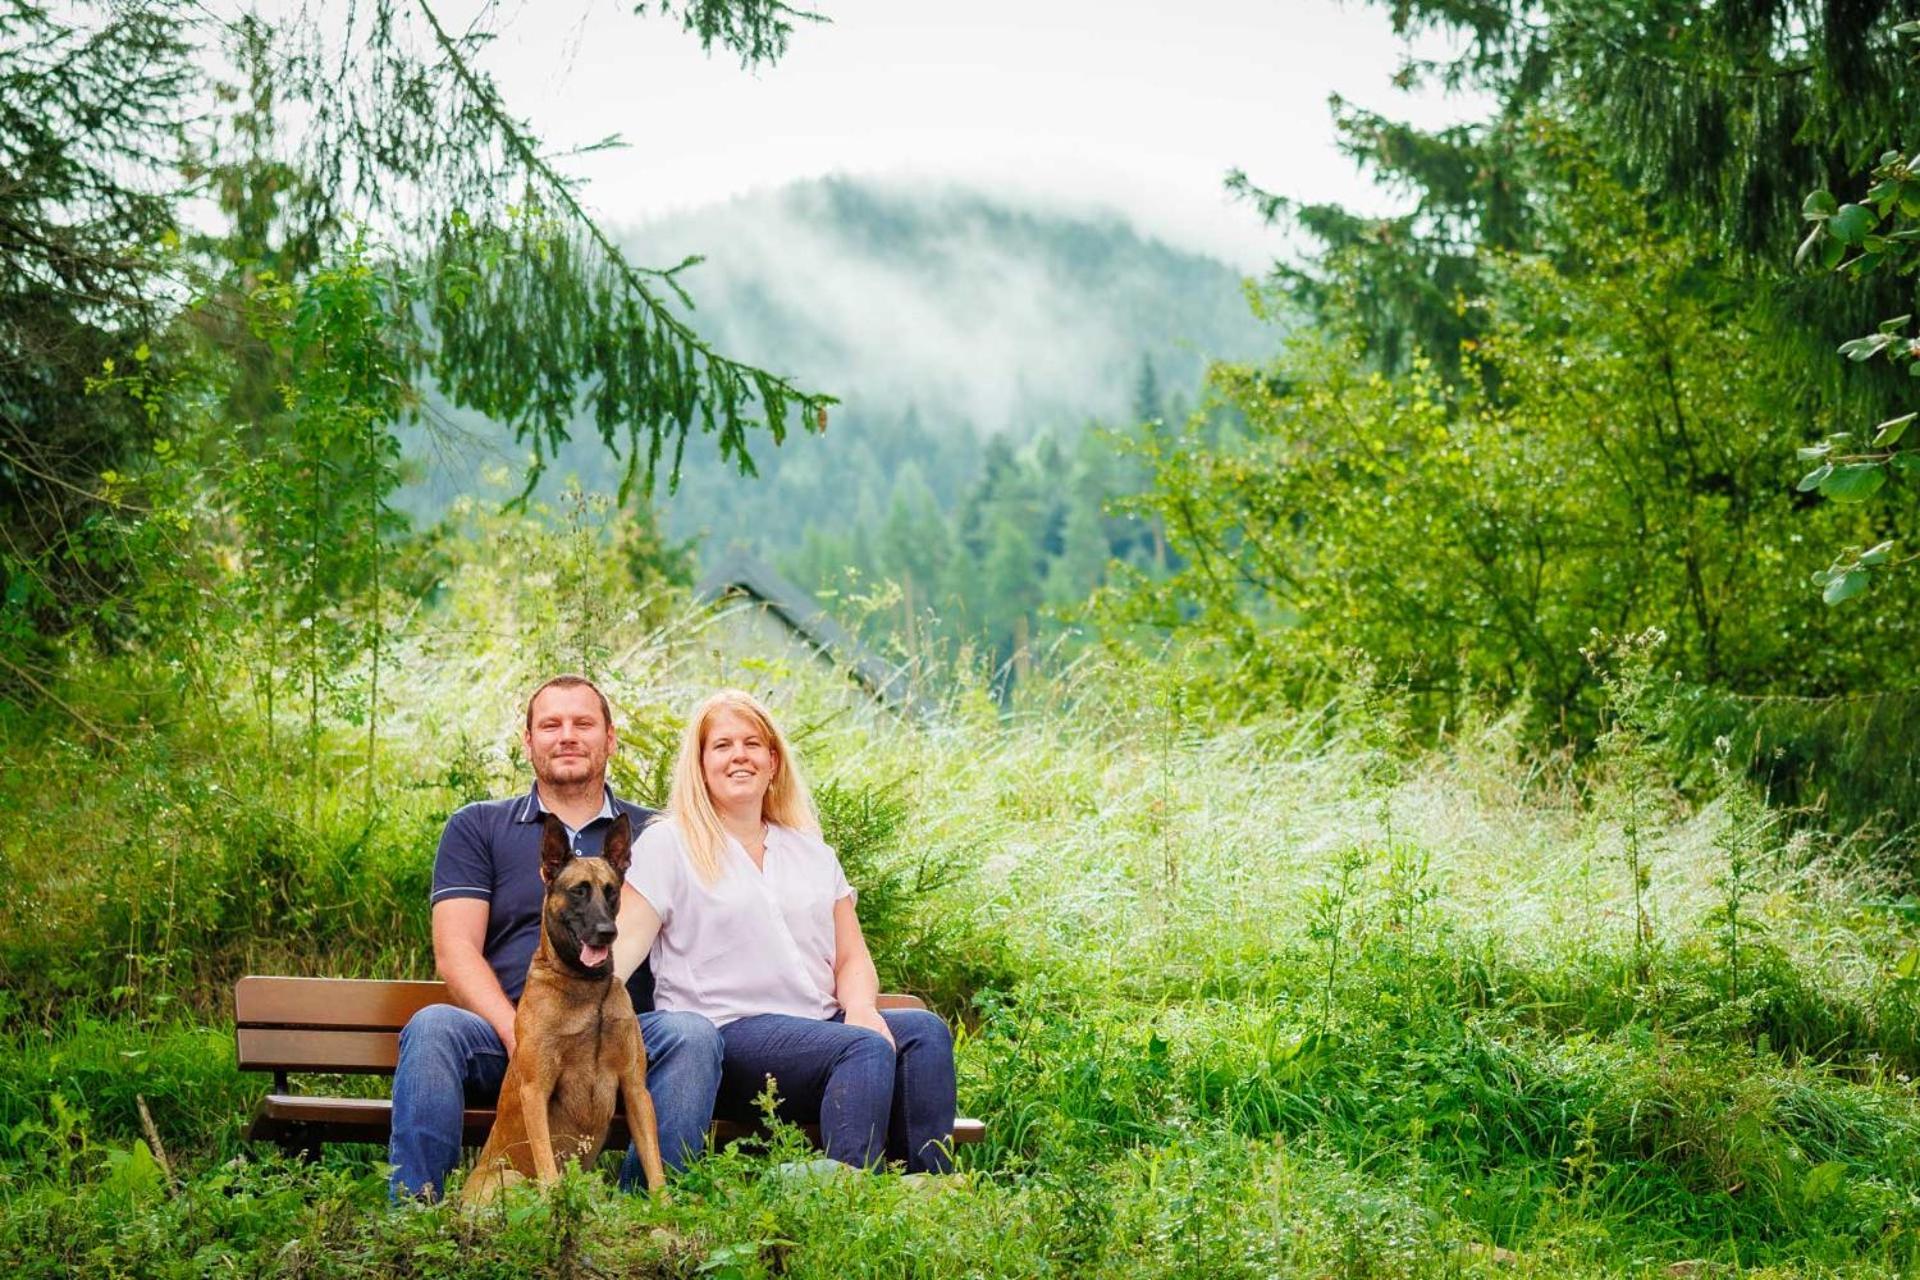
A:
(449, 1056)
(872, 1101)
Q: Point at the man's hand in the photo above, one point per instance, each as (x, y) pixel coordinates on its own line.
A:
(869, 1017)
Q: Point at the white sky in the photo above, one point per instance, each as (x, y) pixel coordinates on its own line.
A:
(1136, 105)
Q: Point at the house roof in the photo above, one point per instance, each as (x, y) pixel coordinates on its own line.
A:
(743, 575)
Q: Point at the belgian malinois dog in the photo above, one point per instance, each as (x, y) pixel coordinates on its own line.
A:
(577, 1043)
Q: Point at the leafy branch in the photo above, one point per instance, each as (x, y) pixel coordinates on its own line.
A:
(531, 313)
(1880, 234)
(645, 335)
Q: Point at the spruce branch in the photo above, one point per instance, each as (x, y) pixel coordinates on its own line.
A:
(716, 388)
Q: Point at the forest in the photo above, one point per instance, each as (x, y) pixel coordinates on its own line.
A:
(1412, 764)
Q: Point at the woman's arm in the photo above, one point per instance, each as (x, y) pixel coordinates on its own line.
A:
(856, 984)
(639, 925)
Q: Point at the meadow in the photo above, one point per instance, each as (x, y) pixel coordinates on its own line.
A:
(1282, 995)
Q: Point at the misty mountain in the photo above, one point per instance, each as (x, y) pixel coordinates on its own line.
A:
(940, 318)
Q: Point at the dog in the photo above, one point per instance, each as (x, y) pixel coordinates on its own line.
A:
(577, 1044)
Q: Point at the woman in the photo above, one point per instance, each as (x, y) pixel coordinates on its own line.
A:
(750, 921)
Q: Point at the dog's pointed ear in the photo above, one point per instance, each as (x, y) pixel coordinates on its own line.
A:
(555, 852)
(619, 847)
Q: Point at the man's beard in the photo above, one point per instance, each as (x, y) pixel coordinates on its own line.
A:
(570, 771)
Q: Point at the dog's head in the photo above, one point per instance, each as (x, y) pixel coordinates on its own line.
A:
(583, 897)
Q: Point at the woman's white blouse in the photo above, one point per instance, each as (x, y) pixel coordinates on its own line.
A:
(755, 941)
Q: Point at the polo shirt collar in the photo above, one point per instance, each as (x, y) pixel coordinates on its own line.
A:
(531, 810)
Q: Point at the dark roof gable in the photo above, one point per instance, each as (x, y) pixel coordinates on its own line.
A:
(740, 574)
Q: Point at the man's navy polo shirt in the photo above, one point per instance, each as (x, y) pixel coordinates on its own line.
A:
(490, 850)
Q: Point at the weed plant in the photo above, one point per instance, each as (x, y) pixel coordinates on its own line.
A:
(1280, 997)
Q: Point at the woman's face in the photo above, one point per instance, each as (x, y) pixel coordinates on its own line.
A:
(738, 762)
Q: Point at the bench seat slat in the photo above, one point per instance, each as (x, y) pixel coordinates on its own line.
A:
(284, 1118)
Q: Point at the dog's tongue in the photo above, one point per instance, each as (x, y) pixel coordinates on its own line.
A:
(592, 957)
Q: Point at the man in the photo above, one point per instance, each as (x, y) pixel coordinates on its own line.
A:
(486, 925)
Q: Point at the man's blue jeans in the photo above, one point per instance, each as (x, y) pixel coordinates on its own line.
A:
(450, 1057)
(872, 1101)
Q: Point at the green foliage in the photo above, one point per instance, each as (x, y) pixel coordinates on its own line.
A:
(1861, 241)
(87, 101)
(255, 375)
(1607, 467)
(405, 125)
(1639, 717)
(1183, 1072)
(1003, 572)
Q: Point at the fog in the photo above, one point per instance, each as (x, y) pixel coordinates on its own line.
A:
(968, 306)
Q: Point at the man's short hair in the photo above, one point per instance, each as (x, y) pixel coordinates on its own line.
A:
(570, 681)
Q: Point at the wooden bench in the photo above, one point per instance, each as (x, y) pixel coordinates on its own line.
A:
(352, 1026)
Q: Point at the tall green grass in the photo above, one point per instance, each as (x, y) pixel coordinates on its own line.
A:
(1284, 997)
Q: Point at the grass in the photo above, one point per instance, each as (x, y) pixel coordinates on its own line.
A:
(1267, 998)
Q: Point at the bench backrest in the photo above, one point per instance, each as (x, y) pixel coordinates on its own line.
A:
(325, 1024)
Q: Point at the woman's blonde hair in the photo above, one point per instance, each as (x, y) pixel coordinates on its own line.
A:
(689, 804)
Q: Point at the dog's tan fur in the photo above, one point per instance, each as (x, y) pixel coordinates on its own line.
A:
(577, 1043)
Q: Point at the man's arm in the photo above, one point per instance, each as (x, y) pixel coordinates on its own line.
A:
(856, 983)
(459, 933)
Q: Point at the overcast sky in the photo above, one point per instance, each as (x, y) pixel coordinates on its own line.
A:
(1136, 105)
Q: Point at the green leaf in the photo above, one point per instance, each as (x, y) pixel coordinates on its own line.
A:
(1908, 966)
(134, 1175)
(1854, 482)
(1906, 463)
(1890, 431)
(1807, 246)
(1875, 556)
(1852, 223)
(1819, 205)
(1860, 349)
(1822, 1181)
(1815, 478)
(1831, 251)
(1810, 452)
(1896, 324)
(1844, 586)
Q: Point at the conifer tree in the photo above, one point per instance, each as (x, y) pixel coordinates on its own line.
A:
(520, 305)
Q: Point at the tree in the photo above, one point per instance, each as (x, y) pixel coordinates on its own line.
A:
(1082, 563)
(516, 303)
(85, 213)
(914, 540)
(1721, 114)
(1604, 463)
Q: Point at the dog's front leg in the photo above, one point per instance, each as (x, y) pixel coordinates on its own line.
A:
(534, 1095)
(642, 1121)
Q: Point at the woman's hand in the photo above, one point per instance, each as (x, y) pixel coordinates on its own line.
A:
(869, 1017)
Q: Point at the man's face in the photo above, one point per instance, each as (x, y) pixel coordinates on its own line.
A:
(569, 740)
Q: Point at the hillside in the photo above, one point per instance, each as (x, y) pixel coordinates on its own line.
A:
(939, 317)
